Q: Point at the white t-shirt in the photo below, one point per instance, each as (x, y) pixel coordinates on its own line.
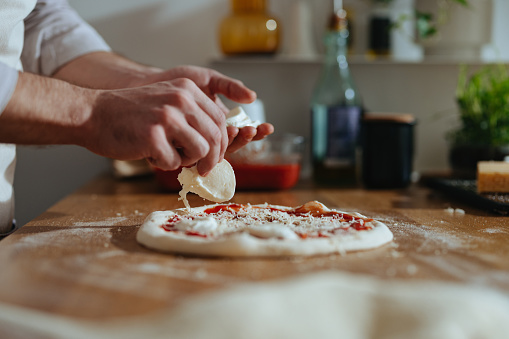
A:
(39, 36)
(12, 31)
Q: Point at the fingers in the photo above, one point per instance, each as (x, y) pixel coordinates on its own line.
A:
(231, 88)
(232, 132)
(189, 143)
(219, 119)
(221, 105)
(238, 138)
(204, 116)
(163, 155)
(199, 139)
(215, 155)
(263, 130)
(211, 82)
(244, 136)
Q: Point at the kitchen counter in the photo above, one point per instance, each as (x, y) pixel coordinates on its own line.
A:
(80, 258)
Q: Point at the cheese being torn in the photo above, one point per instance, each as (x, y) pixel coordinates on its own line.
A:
(217, 186)
(493, 176)
(237, 117)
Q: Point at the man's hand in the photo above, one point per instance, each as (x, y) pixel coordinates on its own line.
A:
(109, 71)
(213, 83)
(171, 123)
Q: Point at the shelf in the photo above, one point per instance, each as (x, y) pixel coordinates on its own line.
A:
(353, 59)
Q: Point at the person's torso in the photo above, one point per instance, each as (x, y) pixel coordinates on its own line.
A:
(12, 29)
(12, 14)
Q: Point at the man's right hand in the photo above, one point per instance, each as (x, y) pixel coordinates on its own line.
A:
(171, 123)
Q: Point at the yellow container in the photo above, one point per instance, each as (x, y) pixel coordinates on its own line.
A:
(249, 29)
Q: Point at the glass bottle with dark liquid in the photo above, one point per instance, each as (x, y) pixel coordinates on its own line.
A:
(380, 29)
(336, 112)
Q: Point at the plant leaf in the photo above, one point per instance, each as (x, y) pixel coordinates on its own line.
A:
(462, 2)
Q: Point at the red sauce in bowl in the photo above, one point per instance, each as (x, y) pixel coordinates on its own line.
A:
(266, 176)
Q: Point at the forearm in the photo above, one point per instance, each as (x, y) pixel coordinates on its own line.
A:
(46, 111)
(105, 70)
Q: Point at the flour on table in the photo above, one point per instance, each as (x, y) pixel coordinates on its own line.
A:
(60, 237)
(494, 230)
(433, 236)
(198, 274)
(106, 222)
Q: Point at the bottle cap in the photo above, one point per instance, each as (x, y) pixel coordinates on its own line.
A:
(338, 21)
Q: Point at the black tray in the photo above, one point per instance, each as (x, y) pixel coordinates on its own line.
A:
(466, 191)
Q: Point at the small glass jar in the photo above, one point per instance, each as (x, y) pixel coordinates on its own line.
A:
(380, 24)
(249, 29)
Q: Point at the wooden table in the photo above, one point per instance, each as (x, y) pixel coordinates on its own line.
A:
(81, 259)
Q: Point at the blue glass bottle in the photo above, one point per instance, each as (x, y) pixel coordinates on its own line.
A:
(336, 112)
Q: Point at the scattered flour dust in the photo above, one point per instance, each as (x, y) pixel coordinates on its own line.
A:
(199, 274)
(60, 238)
(433, 236)
(130, 278)
(494, 230)
(113, 221)
(440, 241)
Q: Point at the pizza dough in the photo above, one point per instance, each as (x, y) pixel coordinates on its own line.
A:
(217, 186)
(236, 230)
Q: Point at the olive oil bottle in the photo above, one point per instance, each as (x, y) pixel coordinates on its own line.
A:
(336, 111)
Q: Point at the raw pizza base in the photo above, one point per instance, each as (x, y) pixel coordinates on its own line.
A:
(244, 244)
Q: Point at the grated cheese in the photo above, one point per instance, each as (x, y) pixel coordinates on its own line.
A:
(282, 223)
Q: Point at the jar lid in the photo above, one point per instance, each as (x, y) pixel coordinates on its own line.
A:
(390, 117)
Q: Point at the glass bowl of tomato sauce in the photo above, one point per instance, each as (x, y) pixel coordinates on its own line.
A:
(273, 163)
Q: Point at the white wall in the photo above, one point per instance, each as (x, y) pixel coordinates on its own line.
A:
(166, 33)
(163, 33)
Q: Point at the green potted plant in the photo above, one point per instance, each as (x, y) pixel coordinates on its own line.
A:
(483, 134)
(427, 23)
(453, 28)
